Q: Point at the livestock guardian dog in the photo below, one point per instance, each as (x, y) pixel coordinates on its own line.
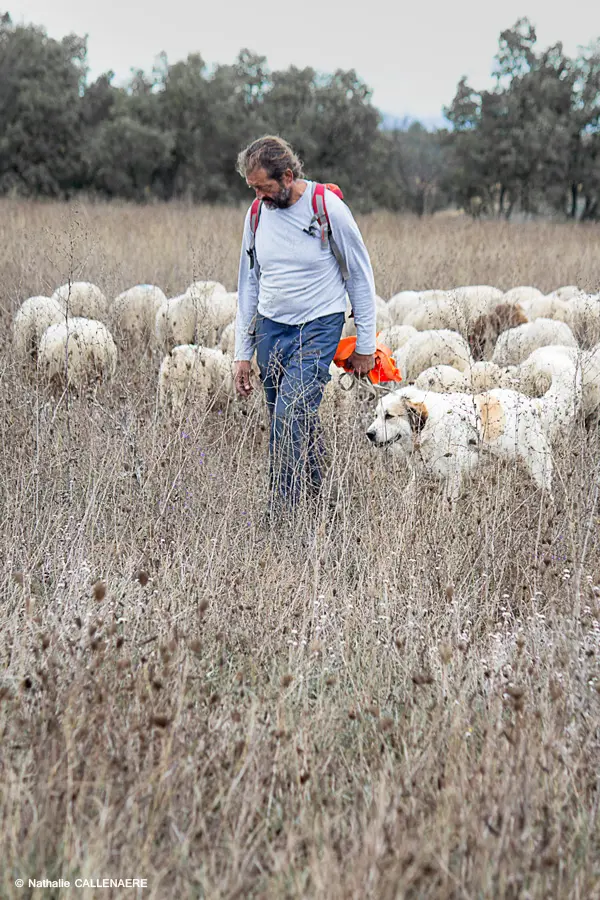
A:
(448, 435)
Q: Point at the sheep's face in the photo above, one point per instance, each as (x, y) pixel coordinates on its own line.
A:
(397, 421)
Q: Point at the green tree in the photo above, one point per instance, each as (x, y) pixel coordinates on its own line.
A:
(40, 124)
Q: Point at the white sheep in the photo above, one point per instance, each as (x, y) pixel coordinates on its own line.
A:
(396, 335)
(33, 317)
(566, 292)
(382, 317)
(583, 317)
(432, 348)
(516, 344)
(227, 339)
(191, 372)
(443, 380)
(401, 304)
(76, 352)
(133, 313)
(197, 316)
(83, 300)
(521, 295)
(487, 376)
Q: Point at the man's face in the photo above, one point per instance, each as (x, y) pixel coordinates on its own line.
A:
(275, 194)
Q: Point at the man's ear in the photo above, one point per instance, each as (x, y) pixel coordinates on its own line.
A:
(417, 415)
(287, 177)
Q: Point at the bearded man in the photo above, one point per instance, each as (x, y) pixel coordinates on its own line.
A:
(292, 292)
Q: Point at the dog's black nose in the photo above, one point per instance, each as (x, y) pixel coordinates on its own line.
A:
(371, 435)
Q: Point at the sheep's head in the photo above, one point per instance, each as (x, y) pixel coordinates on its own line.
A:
(398, 420)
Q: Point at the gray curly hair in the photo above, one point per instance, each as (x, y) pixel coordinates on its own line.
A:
(272, 154)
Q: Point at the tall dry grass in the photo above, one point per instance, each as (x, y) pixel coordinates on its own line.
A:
(398, 702)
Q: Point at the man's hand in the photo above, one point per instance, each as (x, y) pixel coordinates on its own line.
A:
(362, 363)
(243, 384)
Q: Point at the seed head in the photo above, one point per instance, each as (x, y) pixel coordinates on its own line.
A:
(99, 590)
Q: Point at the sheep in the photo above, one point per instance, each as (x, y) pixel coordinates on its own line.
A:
(479, 378)
(486, 376)
(443, 380)
(194, 372)
(383, 318)
(515, 345)
(546, 307)
(583, 317)
(76, 352)
(432, 348)
(455, 309)
(227, 339)
(566, 292)
(33, 317)
(401, 304)
(133, 313)
(485, 330)
(200, 314)
(521, 295)
(396, 335)
(83, 300)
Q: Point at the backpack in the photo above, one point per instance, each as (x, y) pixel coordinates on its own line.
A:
(320, 216)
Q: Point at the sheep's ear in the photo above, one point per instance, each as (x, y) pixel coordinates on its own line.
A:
(417, 415)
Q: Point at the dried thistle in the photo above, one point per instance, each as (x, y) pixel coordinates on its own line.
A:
(99, 590)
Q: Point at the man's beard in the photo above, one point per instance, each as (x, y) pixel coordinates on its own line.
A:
(281, 200)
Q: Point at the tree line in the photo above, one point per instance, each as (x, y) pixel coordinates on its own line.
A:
(532, 143)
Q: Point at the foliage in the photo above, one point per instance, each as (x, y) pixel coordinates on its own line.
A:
(531, 143)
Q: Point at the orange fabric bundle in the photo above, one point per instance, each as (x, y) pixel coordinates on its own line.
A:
(384, 369)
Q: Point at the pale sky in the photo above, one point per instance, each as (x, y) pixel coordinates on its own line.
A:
(412, 55)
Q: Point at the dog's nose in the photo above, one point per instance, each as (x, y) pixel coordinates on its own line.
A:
(371, 435)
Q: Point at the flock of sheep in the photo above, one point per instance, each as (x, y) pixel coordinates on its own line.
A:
(474, 341)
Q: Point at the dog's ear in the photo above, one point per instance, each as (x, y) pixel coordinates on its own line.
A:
(417, 415)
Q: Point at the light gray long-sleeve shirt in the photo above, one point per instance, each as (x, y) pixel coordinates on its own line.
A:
(299, 280)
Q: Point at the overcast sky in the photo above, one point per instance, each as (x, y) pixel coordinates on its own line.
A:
(411, 55)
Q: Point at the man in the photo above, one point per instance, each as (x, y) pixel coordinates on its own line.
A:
(291, 309)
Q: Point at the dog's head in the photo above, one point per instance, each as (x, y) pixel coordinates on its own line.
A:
(399, 418)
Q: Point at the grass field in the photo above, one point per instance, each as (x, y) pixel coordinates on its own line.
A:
(400, 703)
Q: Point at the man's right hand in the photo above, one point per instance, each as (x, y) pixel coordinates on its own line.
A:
(243, 384)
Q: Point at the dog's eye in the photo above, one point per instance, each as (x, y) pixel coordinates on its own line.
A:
(388, 415)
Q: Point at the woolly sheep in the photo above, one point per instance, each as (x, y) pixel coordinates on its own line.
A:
(227, 340)
(382, 317)
(486, 376)
(566, 292)
(546, 307)
(194, 372)
(443, 380)
(516, 344)
(396, 335)
(200, 314)
(83, 300)
(483, 333)
(401, 304)
(33, 317)
(133, 313)
(85, 345)
(432, 348)
(521, 295)
(583, 317)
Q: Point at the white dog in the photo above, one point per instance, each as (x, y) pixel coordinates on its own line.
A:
(447, 434)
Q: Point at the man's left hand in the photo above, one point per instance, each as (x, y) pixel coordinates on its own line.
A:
(362, 363)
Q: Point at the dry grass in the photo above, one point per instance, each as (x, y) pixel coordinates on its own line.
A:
(401, 703)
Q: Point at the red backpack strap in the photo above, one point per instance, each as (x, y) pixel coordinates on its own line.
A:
(254, 218)
(322, 217)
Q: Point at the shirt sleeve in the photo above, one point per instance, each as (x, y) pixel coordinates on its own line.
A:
(248, 287)
(361, 283)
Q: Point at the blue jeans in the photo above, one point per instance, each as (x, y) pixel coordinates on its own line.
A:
(294, 365)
